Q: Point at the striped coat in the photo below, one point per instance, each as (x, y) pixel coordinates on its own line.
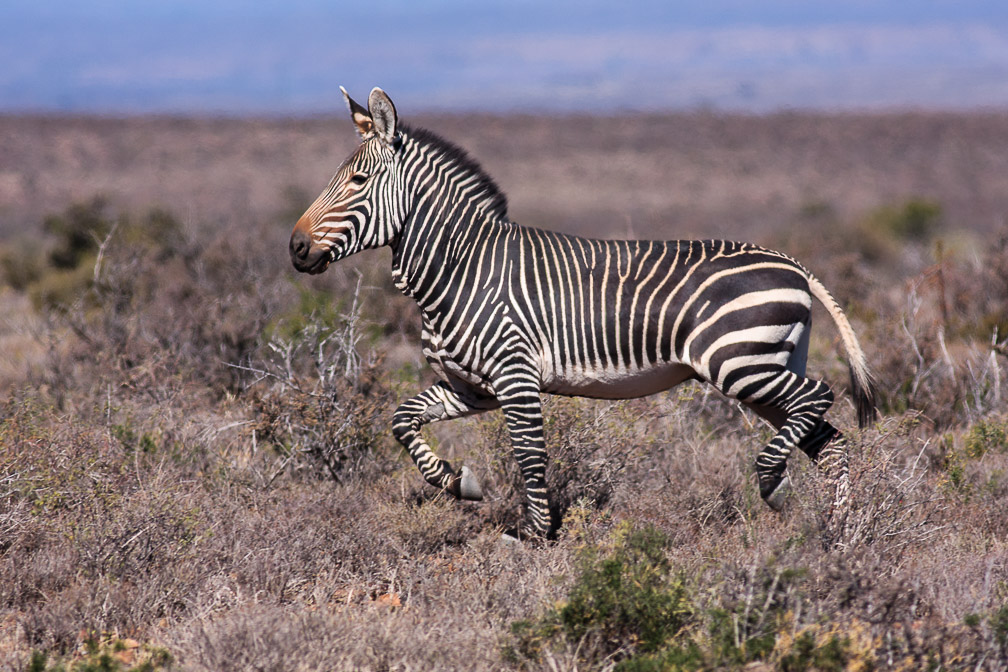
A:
(510, 312)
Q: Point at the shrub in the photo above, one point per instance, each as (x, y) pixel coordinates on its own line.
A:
(59, 289)
(984, 436)
(893, 503)
(823, 654)
(626, 598)
(745, 624)
(80, 238)
(316, 400)
(628, 606)
(999, 626)
(79, 231)
(623, 602)
(151, 295)
(883, 233)
(109, 654)
(21, 264)
(916, 219)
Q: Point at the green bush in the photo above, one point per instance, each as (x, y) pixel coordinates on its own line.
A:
(883, 233)
(624, 602)
(108, 655)
(984, 436)
(915, 220)
(77, 237)
(57, 272)
(999, 626)
(21, 264)
(58, 288)
(746, 630)
(79, 232)
(627, 605)
(627, 596)
(808, 654)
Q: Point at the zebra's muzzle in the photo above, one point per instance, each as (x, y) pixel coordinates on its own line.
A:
(307, 256)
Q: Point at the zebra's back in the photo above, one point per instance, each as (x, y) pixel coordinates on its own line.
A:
(629, 318)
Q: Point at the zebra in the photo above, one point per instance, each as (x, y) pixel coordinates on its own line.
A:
(511, 312)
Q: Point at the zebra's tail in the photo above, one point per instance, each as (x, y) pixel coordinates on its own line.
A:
(862, 382)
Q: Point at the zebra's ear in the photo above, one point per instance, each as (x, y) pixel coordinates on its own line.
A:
(383, 115)
(361, 118)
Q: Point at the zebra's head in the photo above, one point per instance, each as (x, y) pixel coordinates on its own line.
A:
(360, 208)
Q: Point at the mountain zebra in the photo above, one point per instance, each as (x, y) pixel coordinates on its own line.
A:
(510, 312)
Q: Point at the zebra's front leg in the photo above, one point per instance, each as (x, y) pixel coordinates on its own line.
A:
(522, 406)
(436, 403)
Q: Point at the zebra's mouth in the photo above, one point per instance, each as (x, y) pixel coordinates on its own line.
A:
(319, 267)
(313, 260)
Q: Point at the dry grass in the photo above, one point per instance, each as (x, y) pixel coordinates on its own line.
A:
(196, 472)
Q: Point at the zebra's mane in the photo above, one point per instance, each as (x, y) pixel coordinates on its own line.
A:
(495, 197)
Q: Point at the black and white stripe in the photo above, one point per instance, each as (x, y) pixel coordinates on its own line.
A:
(510, 312)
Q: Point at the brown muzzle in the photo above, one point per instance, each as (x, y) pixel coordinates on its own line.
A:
(307, 256)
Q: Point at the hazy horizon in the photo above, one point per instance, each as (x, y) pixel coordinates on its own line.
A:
(113, 56)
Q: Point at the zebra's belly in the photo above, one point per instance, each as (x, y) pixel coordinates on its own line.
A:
(620, 383)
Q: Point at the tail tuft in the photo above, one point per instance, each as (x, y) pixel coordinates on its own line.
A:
(865, 396)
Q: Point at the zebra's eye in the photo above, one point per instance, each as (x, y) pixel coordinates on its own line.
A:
(359, 178)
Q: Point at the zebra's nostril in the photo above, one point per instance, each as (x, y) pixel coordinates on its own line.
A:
(300, 244)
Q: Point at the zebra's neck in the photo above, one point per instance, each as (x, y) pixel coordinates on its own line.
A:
(450, 200)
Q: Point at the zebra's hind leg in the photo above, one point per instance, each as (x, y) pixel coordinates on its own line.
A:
(436, 403)
(795, 405)
(826, 446)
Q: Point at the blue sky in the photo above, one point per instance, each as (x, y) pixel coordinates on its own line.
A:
(290, 56)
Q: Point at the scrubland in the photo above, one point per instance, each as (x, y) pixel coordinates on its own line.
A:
(196, 469)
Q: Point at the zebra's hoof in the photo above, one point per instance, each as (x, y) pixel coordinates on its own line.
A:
(776, 499)
(524, 535)
(469, 487)
(509, 539)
